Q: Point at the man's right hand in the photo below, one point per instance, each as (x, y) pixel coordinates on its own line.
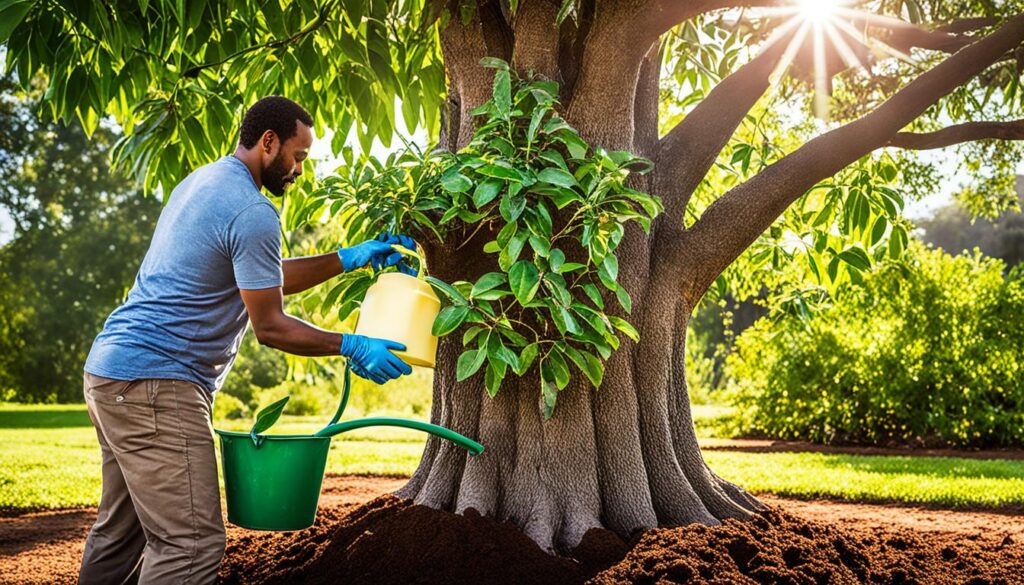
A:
(371, 358)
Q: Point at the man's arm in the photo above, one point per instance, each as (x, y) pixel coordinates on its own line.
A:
(277, 329)
(370, 358)
(309, 271)
(306, 272)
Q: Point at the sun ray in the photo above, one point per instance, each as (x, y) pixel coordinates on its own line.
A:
(821, 78)
(849, 56)
(790, 53)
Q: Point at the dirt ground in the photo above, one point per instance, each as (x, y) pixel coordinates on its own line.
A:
(799, 542)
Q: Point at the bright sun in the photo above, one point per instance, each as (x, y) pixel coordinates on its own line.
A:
(817, 10)
(823, 26)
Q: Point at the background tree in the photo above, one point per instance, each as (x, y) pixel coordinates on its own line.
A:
(955, 230)
(625, 457)
(79, 235)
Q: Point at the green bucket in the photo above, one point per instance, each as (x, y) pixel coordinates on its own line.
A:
(272, 482)
(275, 486)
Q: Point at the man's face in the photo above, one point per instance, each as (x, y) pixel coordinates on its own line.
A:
(282, 161)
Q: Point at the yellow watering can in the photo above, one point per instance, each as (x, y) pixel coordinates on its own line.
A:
(402, 308)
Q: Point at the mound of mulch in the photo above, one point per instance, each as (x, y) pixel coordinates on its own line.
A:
(776, 547)
(389, 540)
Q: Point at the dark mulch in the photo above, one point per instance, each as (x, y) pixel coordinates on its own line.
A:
(389, 541)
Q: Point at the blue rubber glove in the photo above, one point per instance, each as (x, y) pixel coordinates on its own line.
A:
(378, 253)
(371, 358)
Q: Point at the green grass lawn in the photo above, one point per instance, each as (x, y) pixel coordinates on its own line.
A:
(49, 458)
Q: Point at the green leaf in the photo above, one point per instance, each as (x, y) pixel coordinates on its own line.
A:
(563, 11)
(471, 333)
(501, 171)
(594, 295)
(555, 259)
(512, 205)
(486, 191)
(493, 377)
(525, 280)
(611, 267)
(487, 282)
(556, 176)
(510, 253)
(879, 229)
(497, 350)
(503, 92)
(625, 327)
(559, 290)
(624, 301)
(448, 290)
(526, 358)
(449, 319)
(266, 418)
(469, 363)
(556, 368)
(11, 16)
(549, 395)
(856, 257)
(587, 363)
(494, 63)
(456, 182)
(553, 156)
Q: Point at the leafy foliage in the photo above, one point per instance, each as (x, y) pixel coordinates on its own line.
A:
(177, 75)
(932, 353)
(557, 208)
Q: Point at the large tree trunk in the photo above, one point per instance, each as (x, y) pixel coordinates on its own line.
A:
(623, 457)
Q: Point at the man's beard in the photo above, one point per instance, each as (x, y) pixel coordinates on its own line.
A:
(277, 176)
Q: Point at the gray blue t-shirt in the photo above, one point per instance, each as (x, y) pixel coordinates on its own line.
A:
(184, 317)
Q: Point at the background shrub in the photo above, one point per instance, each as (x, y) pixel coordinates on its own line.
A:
(927, 353)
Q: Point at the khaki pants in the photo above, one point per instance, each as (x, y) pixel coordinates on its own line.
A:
(159, 518)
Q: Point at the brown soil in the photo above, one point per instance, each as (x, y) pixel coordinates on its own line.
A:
(360, 537)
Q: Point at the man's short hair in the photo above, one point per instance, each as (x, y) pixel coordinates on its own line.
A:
(272, 113)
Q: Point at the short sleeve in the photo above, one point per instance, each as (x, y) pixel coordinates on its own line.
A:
(254, 244)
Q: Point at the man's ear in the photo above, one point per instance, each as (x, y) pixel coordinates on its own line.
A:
(267, 141)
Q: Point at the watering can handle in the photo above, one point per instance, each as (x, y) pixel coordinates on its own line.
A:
(466, 443)
(336, 428)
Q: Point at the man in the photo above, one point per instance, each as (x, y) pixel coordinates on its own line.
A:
(214, 265)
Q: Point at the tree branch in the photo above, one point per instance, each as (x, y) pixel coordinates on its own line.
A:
(687, 152)
(316, 23)
(905, 36)
(659, 16)
(537, 38)
(966, 132)
(463, 45)
(645, 104)
(572, 38)
(605, 88)
(735, 220)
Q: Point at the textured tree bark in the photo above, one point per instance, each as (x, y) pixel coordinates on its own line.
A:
(622, 457)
